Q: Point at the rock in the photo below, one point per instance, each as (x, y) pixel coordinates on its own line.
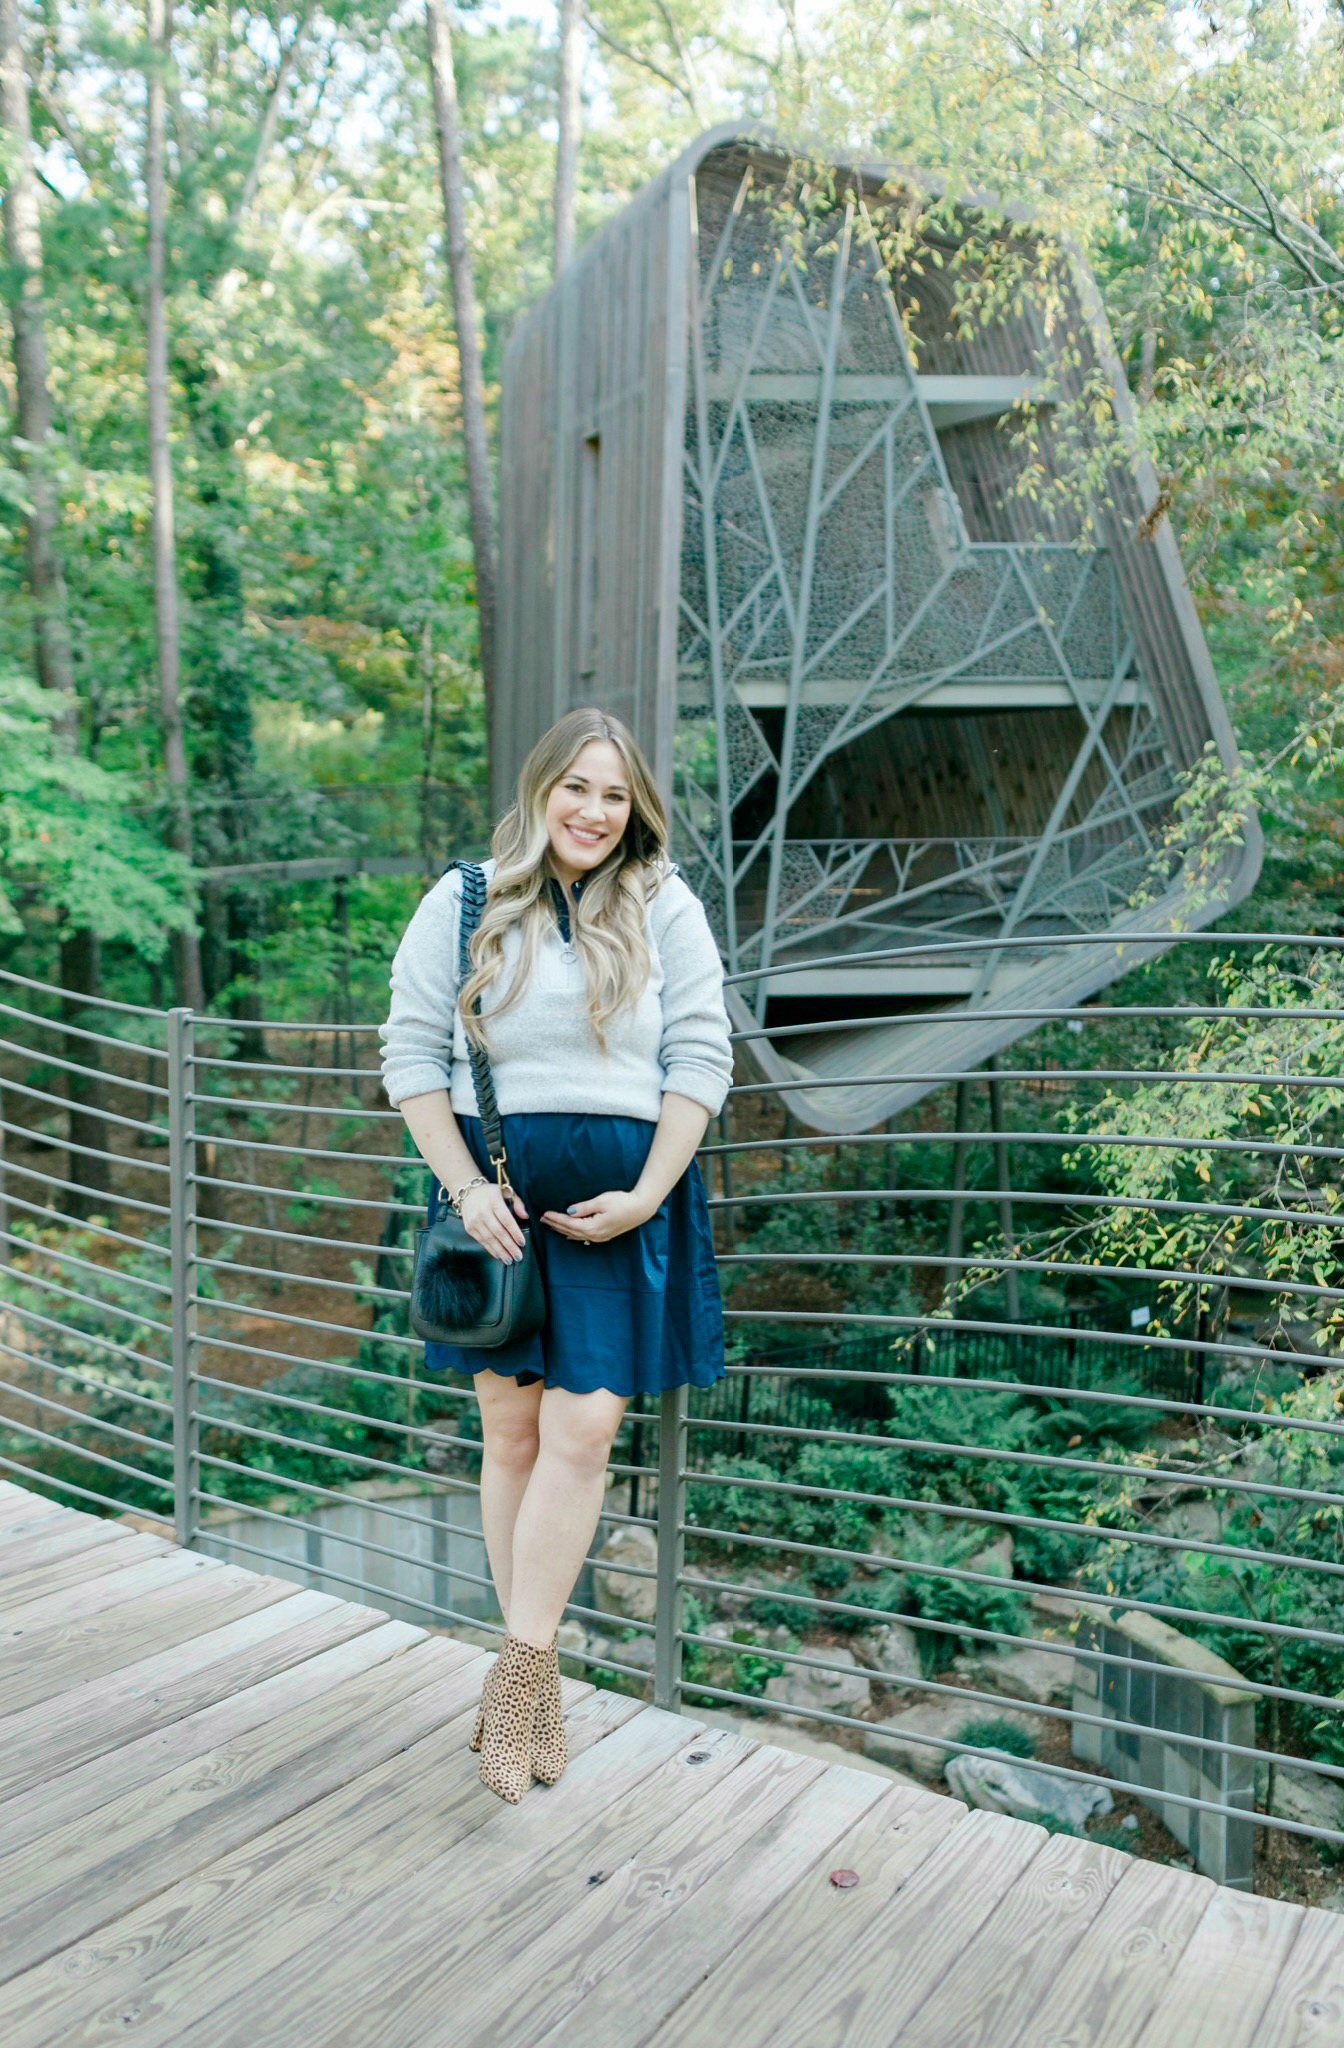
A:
(892, 1648)
(894, 1741)
(1037, 1675)
(798, 1736)
(836, 1692)
(1004, 1784)
(996, 1557)
(573, 1638)
(1302, 1795)
(615, 1590)
(639, 1651)
(1201, 1520)
(1332, 1901)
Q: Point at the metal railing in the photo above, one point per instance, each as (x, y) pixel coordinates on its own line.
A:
(1049, 1364)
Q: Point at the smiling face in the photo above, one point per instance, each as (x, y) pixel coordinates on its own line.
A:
(588, 810)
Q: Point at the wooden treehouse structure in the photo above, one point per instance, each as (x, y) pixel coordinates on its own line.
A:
(922, 729)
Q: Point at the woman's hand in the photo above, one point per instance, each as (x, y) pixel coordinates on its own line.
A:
(486, 1216)
(601, 1218)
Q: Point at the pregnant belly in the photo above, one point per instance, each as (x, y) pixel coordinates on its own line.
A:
(558, 1159)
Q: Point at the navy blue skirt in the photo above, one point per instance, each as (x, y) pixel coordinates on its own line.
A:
(636, 1315)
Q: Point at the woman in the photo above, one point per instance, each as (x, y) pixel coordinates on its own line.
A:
(601, 1010)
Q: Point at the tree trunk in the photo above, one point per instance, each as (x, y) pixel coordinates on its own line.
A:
(187, 950)
(23, 247)
(466, 319)
(80, 962)
(571, 126)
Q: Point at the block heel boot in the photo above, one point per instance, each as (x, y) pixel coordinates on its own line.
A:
(510, 1716)
(550, 1752)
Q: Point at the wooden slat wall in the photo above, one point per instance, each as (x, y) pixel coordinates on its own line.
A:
(593, 358)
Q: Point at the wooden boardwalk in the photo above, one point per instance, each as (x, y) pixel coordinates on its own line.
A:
(234, 1810)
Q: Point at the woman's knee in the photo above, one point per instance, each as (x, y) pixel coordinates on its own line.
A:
(514, 1444)
(579, 1428)
(510, 1423)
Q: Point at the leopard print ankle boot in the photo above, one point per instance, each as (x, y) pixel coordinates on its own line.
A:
(550, 1753)
(510, 1715)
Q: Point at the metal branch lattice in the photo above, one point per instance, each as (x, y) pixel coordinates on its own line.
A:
(829, 586)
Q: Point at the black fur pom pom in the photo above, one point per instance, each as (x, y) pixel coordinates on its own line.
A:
(452, 1288)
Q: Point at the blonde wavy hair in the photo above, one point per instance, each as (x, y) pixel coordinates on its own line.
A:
(607, 919)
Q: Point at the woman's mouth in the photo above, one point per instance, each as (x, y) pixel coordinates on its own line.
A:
(584, 836)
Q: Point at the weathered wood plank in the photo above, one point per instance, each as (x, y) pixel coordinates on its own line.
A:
(17, 1504)
(1218, 1993)
(18, 1588)
(1020, 1949)
(413, 1929)
(1108, 1986)
(800, 1974)
(151, 1974)
(56, 1891)
(27, 1549)
(1306, 2007)
(91, 1719)
(587, 1907)
(44, 1808)
(50, 1660)
(718, 1919)
(111, 1588)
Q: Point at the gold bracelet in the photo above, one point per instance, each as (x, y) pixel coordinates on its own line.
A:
(455, 1201)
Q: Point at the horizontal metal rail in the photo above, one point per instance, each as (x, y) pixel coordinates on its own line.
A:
(1102, 1396)
(882, 1561)
(123, 1352)
(83, 1379)
(80, 1225)
(85, 1002)
(1047, 1461)
(82, 1416)
(336, 1244)
(994, 1262)
(252, 1104)
(53, 1180)
(111, 1308)
(261, 1188)
(365, 1287)
(38, 1249)
(31, 1136)
(36, 1479)
(104, 1076)
(927, 1624)
(1012, 1518)
(78, 1450)
(933, 1325)
(698, 1689)
(894, 1387)
(1100, 1012)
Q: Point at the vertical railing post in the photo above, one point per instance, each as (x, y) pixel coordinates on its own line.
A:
(182, 1211)
(672, 1438)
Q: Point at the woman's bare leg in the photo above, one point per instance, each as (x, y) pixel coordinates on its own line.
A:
(509, 1425)
(560, 1507)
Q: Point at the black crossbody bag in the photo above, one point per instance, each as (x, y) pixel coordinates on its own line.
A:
(460, 1292)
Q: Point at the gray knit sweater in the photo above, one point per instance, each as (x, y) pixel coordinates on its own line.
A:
(542, 1051)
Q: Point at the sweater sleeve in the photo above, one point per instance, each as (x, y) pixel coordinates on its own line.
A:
(696, 1053)
(417, 1038)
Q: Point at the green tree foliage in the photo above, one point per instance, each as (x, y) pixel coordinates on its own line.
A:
(70, 855)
